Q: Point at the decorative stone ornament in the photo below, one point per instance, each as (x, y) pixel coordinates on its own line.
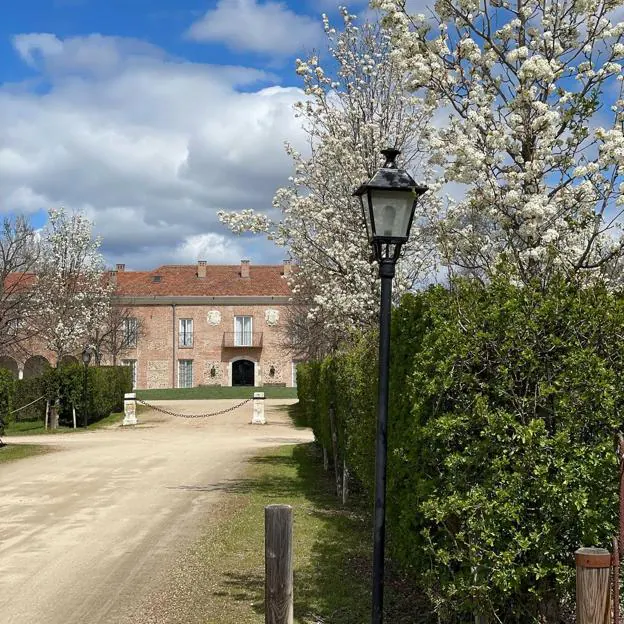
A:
(214, 317)
(271, 317)
(213, 373)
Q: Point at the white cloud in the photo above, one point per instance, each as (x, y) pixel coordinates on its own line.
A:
(247, 25)
(151, 148)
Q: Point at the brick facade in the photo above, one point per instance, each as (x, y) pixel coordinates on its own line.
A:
(159, 351)
(212, 297)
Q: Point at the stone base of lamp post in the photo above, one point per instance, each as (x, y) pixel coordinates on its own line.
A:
(258, 409)
(130, 409)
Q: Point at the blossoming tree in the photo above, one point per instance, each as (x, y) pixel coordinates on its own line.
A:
(73, 296)
(533, 93)
(350, 113)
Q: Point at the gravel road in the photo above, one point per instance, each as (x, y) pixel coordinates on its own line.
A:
(87, 530)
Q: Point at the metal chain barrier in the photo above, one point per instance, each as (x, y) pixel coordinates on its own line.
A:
(27, 405)
(206, 415)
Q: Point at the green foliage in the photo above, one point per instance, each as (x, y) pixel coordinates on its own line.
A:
(7, 387)
(106, 388)
(26, 391)
(504, 403)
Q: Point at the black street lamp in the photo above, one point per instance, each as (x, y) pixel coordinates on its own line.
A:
(86, 360)
(388, 201)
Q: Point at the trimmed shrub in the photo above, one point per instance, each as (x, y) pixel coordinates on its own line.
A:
(7, 386)
(504, 403)
(106, 388)
(26, 391)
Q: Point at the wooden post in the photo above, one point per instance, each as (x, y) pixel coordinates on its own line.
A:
(593, 598)
(278, 562)
(47, 412)
(325, 460)
(334, 437)
(74, 415)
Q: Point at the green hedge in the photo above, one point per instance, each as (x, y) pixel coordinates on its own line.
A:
(504, 403)
(6, 396)
(106, 388)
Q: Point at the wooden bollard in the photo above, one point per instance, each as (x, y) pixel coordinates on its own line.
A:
(278, 562)
(593, 596)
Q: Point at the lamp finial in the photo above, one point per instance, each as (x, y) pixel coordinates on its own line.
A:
(390, 154)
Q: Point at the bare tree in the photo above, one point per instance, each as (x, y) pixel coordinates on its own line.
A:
(308, 336)
(118, 333)
(19, 253)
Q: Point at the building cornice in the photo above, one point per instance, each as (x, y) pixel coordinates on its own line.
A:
(202, 301)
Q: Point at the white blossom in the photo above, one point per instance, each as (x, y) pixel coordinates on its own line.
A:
(73, 295)
(357, 104)
(528, 135)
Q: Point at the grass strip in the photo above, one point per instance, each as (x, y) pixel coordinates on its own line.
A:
(221, 579)
(216, 392)
(37, 427)
(13, 452)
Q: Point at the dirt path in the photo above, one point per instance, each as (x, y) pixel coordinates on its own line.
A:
(85, 532)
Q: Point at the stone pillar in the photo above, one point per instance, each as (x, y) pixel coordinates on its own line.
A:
(258, 409)
(130, 409)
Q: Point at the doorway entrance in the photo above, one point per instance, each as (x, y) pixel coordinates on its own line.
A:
(243, 373)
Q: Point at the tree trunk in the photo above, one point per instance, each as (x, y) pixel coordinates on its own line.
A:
(334, 436)
(74, 414)
(345, 483)
(54, 410)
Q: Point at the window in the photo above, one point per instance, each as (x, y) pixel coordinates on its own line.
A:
(185, 373)
(242, 331)
(133, 365)
(130, 332)
(186, 332)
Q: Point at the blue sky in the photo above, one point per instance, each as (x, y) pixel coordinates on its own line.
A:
(151, 115)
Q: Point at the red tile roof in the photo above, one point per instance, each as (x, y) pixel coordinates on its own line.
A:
(220, 280)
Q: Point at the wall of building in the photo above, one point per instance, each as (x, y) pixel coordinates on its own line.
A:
(157, 355)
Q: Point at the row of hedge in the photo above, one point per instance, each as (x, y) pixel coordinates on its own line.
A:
(106, 386)
(504, 403)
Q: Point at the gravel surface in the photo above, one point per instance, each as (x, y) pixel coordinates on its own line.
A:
(88, 531)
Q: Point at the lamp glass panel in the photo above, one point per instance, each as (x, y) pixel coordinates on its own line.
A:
(392, 211)
(364, 202)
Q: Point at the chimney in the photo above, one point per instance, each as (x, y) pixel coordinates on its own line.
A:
(121, 268)
(201, 269)
(244, 273)
(287, 268)
(112, 276)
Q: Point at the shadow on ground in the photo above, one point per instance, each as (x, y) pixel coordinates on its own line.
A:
(332, 546)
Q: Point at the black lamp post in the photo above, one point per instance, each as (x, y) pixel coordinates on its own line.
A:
(86, 360)
(388, 201)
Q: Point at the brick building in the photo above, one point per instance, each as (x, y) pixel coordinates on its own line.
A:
(192, 325)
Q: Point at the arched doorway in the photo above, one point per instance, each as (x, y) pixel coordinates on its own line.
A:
(35, 366)
(243, 373)
(10, 364)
